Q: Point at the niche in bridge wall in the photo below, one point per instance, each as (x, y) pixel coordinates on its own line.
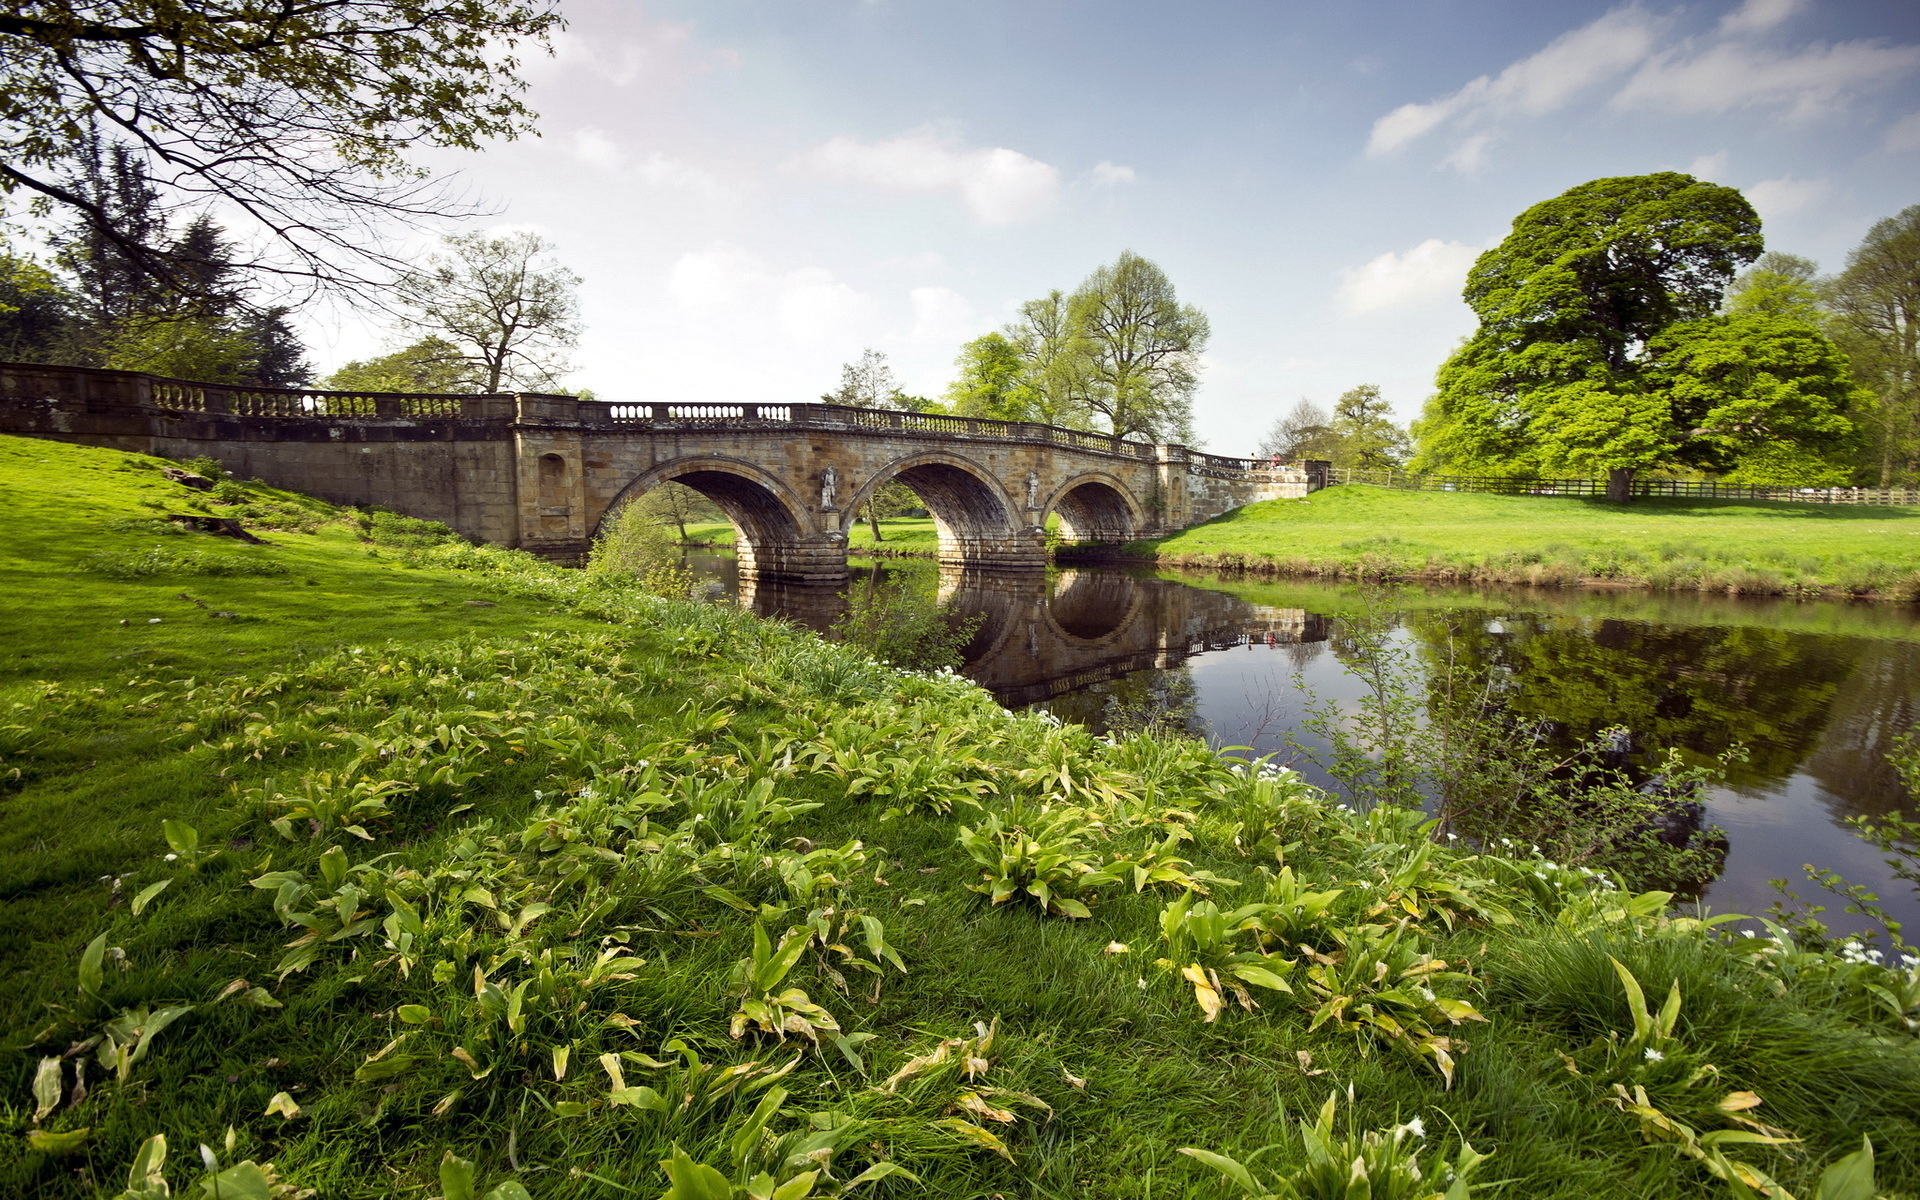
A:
(556, 494)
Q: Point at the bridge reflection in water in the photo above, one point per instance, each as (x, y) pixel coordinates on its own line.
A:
(1044, 636)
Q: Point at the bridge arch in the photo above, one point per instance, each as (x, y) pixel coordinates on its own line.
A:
(978, 522)
(1095, 506)
(775, 540)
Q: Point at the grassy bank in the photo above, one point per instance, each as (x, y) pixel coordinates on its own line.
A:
(899, 535)
(1357, 531)
(574, 881)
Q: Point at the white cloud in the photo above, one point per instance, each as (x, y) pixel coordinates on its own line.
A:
(1710, 166)
(594, 148)
(1539, 83)
(1756, 16)
(1000, 186)
(670, 174)
(1774, 198)
(657, 57)
(1106, 174)
(1431, 271)
(1469, 156)
(1805, 82)
(1904, 134)
(726, 285)
(924, 260)
(1717, 72)
(941, 316)
(721, 275)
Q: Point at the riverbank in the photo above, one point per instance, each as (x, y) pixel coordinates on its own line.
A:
(1762, 548)
(373, 848)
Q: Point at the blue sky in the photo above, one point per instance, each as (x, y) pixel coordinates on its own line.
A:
(755, 190)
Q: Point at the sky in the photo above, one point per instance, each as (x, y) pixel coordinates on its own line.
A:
(754, 191)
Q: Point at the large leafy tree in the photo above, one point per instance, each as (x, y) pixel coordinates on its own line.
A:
(1363, 432)
(1054, 361)
(432, 364)
(1305, 431)
(1876, 305)
(1568, 370)
(1142, 350)
(298, 115)
(991, 381)
(501, 300)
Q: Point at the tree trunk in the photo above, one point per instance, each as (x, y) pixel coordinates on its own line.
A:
(1620, 485)
(873, 521)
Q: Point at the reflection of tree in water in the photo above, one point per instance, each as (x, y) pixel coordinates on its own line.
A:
(1154, 701)
(1701, 689)
(1881, 702)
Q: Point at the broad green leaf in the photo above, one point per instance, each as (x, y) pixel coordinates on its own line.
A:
(456, 1178)
(972, 1134)
(1071, 908)
(65, 1142)
(690, 1180)
(1260, 977)
(144, 1177)
(414, 1014)
(385, 1068)
(510, 1190)
(146, 896)
(242, 1181)
(1851, 1178)
(1226, 1166)
(91, 976)
(182, 837)
(46, 1089)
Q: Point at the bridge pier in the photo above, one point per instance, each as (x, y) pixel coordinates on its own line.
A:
(817, 559)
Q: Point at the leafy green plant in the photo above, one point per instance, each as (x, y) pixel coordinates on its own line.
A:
(1202, 942)
(1383, 986)
(765, 1004)
(793, 1166)
(1376, 1165)
(244, 1180)
(1047, 857)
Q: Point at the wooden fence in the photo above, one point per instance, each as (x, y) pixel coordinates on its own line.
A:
(1683, 488)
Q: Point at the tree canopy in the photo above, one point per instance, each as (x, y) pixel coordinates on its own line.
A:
(1600, 347)
(502, 302)
(1876, 319)
(1142, 349)
(298, 115)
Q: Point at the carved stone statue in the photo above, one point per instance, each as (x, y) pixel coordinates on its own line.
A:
(829, 483)
(1033, 489)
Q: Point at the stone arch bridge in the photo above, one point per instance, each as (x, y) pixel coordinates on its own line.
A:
(542, 473)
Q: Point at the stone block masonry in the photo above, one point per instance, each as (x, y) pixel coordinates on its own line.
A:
(542, 473)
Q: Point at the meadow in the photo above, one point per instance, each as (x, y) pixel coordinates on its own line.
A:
(1359, 531)
(368, 863)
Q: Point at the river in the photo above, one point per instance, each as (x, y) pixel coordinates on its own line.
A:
(1809, 695)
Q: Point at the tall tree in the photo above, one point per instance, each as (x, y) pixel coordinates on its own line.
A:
(509, 309)
(991, 381)
(1306, 431)
(1362, 432)
(1876, 303)
(1142, 350)
(1053, 351)
(1569, 303)
(35, 309)
(297, 114)
(868, 382)
(1780, 285)
(432, 364)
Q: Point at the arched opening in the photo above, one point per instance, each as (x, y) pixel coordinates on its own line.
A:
(769, 535)
(975, 524)
(1091, 605)
(1095, 511)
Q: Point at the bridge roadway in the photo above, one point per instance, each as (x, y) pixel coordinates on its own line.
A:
(542, 473)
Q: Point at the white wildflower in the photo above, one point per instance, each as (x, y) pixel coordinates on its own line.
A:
(1652, 1055)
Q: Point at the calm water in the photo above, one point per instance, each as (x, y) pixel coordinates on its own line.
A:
(1815, 693)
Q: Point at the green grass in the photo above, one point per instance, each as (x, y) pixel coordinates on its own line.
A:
(570, 810)
(902, 535)
(1740, 547)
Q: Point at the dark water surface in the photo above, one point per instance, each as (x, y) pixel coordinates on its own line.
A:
(1814, 692)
